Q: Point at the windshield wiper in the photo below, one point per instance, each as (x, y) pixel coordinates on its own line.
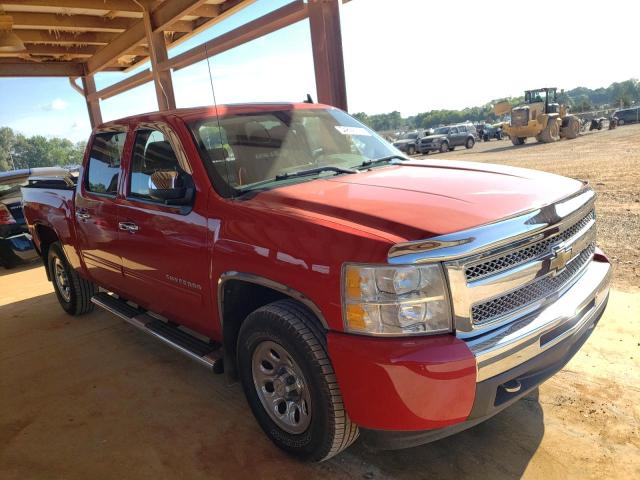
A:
(377, 161)
(313, 171)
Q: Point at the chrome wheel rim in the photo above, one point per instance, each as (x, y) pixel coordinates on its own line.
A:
(281, 387)
(62, 280)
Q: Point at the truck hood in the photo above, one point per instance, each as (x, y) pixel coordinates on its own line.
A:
(416, 200)
(404, 141)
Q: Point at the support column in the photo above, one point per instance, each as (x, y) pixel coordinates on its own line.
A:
(326, 41)
(93, 106)
(158, 55)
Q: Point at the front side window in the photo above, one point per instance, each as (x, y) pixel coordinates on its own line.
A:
(244, 151)
(103, 169)
(154, 165)
(442, 131)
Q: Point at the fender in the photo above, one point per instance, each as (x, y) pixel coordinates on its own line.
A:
(265, 282)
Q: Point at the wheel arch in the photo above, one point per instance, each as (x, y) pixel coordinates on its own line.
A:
(46, 235)
(239, 294)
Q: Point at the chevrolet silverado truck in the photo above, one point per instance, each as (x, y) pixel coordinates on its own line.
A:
(351, 290)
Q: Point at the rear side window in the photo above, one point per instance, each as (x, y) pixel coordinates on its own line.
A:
(104, 162)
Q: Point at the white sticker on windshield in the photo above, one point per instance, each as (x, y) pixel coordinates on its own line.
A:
(353, 131)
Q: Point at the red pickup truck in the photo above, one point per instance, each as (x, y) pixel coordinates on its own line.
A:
(352, 291)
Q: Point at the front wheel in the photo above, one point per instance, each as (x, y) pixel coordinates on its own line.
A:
(411, 150)
(444, 147)
(74, 292)
(518, 140)
(290, 384)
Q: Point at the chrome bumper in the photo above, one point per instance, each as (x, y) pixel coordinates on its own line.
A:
(571, 315)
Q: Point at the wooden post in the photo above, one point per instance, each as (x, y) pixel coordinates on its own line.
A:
(93, 106)
(326, 42)
(158, 55)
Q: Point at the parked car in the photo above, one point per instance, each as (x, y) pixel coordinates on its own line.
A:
(489, 132)
(408, 142)
(448, 138)
(627, 115)
(15, 241)
(351, 291)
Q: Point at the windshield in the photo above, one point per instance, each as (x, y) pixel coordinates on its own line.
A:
(251, 149)
(442, 131)
(409, 136)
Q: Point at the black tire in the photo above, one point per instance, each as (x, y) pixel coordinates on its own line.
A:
(444, 147)
(76, 297)
(470, 143)
(551, 132)
(293, 328)
(518, 140)
(411, 150)
(620, 122)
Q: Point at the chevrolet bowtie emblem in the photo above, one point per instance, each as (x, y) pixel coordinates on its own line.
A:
(561, 256)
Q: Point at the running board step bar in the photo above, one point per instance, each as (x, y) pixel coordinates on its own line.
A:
(207, 354)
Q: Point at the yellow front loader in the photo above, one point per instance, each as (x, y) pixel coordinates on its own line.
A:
(540, 116)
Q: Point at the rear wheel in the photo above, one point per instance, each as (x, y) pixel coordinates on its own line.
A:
(74, 293)
(572, 129)
(290, 384)
(551, 132)
(518, 140)
(470, 143)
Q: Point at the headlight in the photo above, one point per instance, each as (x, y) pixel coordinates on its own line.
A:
(395, 300)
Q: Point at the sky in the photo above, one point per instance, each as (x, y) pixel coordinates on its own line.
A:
(405, 55)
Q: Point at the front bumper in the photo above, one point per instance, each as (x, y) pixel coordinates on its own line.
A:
(415, 391)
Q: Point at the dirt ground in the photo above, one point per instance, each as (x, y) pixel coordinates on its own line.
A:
(91, 397)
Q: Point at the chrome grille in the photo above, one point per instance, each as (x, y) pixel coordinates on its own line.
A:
(533, 292)
(513, 259)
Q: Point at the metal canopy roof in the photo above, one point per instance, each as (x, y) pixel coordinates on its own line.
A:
(79, 38)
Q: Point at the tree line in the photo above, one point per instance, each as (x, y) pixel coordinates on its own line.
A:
(580, 99)
(18, 151)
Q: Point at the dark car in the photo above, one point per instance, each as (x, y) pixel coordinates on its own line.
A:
(408, 143)
(448, 138)
(15, 241)
(488, 132)
(627, 115)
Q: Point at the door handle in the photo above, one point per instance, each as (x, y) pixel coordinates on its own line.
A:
(82, 214)
(128, 227)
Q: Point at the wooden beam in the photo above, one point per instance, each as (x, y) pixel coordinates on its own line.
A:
(280, 18)
(128, 6)
(326, 43)
(15, 68)
(75, 51)
(207, 10)
(161, 16)
(93, 106)
(127, 84)
(168, 14)
(75, 86)
(161, 76)
(43, 36)
(70, 22)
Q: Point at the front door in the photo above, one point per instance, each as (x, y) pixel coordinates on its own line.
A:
(97, 211)
(163, 246)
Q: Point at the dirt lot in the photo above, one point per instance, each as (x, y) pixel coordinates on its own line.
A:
(91, 397)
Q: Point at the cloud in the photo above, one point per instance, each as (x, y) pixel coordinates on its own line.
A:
(56, 104)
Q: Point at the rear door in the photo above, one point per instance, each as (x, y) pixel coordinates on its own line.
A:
(454, 137)
(164, 247)
(97, 211)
